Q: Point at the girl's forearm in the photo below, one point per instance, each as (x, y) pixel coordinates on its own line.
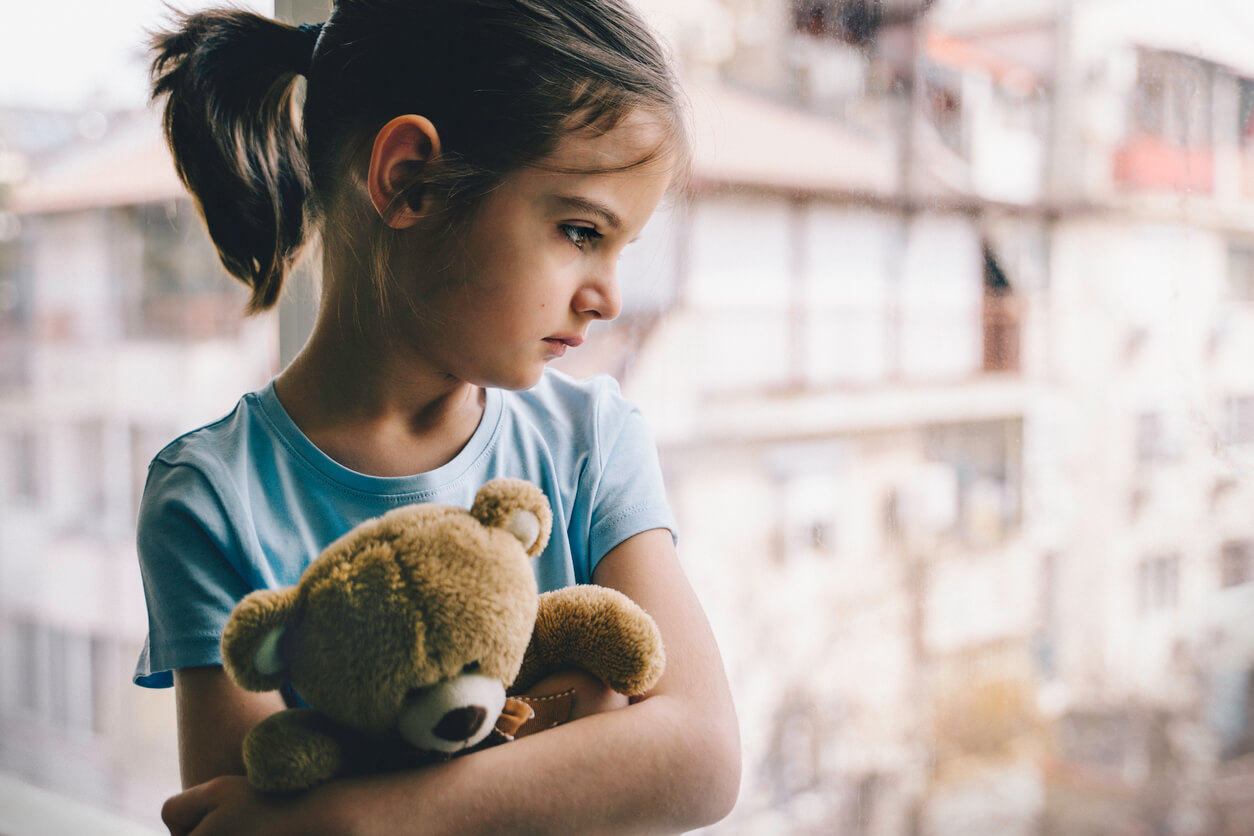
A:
(654, 767)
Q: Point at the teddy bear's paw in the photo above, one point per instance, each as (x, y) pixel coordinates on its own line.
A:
(597, 629)
(292, 750)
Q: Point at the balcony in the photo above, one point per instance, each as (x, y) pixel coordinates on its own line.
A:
(1145, 162)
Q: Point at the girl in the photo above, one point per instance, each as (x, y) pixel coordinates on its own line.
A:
(472, 168)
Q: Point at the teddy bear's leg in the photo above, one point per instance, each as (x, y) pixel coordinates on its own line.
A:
(598, 630)
(293, 750)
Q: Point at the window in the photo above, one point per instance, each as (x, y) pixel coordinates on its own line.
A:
(1048, 616)
(1158, 437)
(54, 671)
(79, 488)
(13, 304)
(1173, 98)
(1245, 112)
(1236, 729)
(105, 672)
(19, 467)
(1158, 583)
(183, 291)
(27, 669)
(808, 496)
(1236, 563)
(943, 94)
(1241, 271)
(1238, 420)
(984, 460)
(852, 21)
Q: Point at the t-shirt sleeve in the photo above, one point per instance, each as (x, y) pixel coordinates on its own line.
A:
(190, 583)
(630, 496)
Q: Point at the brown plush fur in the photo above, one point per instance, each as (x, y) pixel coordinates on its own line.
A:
(404, 602)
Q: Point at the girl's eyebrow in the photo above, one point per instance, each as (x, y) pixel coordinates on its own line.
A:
(584, 204)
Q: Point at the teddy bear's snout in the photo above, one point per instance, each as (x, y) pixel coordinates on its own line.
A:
(452, 715)
(460, 723)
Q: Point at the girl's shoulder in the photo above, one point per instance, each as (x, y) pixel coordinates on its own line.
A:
(225, 439)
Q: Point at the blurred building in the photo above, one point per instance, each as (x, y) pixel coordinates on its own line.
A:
(954, 402)
(119, 331)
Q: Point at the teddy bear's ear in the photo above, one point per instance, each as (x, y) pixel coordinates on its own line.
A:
(518, 507)
(250, 641)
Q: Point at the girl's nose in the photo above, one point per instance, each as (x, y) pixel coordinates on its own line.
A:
(599, 297)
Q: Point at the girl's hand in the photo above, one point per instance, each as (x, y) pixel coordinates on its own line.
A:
(228, 806)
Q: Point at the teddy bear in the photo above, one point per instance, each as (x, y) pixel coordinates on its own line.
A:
(411, 638)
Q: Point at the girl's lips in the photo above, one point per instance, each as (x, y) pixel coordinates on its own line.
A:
(558, 345)
(562, 344)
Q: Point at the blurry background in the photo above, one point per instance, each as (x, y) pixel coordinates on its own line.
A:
(949, 355)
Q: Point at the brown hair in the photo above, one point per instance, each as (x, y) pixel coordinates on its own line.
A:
(502, 80)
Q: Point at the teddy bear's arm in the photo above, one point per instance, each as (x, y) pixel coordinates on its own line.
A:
(293, 750)
(599, 630)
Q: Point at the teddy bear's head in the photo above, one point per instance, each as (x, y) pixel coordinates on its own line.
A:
(413, 623)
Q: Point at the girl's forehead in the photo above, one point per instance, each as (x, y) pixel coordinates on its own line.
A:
(635, 138)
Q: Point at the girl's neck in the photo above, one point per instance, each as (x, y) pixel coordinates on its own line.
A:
(373, 408)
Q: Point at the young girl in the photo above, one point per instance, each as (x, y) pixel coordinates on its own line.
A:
(472, 169)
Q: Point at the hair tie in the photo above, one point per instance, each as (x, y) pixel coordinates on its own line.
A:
(313, 33)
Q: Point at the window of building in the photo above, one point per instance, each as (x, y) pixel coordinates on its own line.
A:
(1159, 437)
(26, 671)
(13, 304)
(808, 495)
(1236, 563)
(105, 673)
(1238, 742)
(1172, 99)
(19, 467)
(852, 21)
(1158, 583)
(1045, 645)
(183, 291)
(1238, 420)
(54, 670)
(1241, 271)
(985, 459)
(1245, 111)
(79, 488)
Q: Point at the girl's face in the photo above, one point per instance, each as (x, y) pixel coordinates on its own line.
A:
(538, 263)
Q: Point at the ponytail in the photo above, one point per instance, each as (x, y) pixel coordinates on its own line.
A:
(228, 79)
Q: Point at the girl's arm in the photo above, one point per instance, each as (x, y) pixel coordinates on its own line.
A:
(214, 715)
(668, 763)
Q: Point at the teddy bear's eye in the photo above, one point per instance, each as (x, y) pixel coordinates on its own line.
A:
(473, 667)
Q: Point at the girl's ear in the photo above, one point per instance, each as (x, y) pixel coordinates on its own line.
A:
(402, 148)
(251, 638)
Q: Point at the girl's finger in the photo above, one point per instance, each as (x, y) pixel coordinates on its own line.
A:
(181, 813)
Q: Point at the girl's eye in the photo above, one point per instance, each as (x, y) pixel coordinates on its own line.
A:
(579, 235)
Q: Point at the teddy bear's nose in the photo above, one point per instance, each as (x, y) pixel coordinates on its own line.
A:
(460, 723)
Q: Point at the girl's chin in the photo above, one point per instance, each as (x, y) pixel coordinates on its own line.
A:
(516, 381)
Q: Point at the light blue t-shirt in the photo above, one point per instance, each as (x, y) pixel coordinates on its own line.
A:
(248, 502)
